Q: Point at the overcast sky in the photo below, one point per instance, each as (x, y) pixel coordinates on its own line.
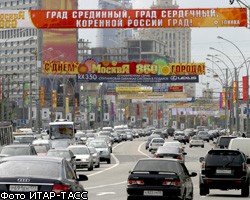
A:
(202, 38)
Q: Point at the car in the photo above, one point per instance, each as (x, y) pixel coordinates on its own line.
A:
(171, 131)
(204, 135)
(196, 141)
(107, 140)
(160, 177)
(24, 139)
(83, 156)
(17, 150)
(103, 149)
(117, 137)
(224, 169)
(180, 136)
(96, 156)
(149, 139)
(223, 142)
(155, 143)
(80, 137)
(170, 152)
(176, 144)
(64, 153)
(29, 175)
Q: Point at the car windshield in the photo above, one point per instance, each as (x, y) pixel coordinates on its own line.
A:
(79, 150)
(61, 154)
(156, 165)
(62, 131)
(16, 151)
(41, 148)
(99, 144)
(35, 168)
(24, 139)
(215, 158)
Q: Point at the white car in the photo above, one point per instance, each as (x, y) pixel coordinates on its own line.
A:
(155, 143)
(196, 141)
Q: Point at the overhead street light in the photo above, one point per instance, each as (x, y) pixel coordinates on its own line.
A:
(247, 70)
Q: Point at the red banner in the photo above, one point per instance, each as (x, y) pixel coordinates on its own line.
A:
(175, 88)
(143, 18)
(245, 88)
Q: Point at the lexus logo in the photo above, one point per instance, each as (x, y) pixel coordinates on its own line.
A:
(24, 180)
(173, 78)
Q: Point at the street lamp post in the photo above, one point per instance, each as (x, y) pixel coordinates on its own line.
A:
(236, 86)
(247, 121)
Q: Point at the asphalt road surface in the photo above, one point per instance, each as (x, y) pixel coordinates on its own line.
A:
(109, 181)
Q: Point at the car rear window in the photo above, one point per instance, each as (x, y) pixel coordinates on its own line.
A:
(224, 158)
(36, 168)
(224, 141)
(156, 165)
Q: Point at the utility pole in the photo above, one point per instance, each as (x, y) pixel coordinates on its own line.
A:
(226, 103)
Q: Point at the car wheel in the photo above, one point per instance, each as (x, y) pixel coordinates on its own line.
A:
(98, 165)
(108, 161)
(202, 146)
(91, 168)
(203, 190)
(190, 146)
(245, 190)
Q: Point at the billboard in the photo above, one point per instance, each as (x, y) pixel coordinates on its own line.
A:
(106, 67)
(143, 18)
(63, 41)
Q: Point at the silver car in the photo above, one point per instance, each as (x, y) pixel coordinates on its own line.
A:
(83, 156)
(103, 149)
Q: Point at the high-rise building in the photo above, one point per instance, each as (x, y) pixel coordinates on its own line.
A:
(177, 40)
(111, 37)
(22, 52)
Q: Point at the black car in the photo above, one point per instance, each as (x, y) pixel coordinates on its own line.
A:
(171, 131)
(28, 175)
(224, 169)
(160, 177)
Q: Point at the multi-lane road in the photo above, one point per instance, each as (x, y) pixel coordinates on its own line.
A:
(109, 181)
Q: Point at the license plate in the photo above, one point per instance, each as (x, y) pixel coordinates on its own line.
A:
(223, 171)
(23, 188)
(152, 193)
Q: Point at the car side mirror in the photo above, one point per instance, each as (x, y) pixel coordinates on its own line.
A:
(184, 153)
(202, 159)
(73, 157)
(193, 174)
(82, 177)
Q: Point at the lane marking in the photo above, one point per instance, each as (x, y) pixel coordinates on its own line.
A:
(105, 193)
(117, 162)
(139, 150)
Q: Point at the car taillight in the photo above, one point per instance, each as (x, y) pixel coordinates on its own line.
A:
(57, 188)
(172, 182)
(135, 182)
(157, 156)
(178, 157)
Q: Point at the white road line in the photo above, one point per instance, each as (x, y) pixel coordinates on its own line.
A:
(117, 162)
(139, 150)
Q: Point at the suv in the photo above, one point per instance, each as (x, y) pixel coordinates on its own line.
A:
(224, 169)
